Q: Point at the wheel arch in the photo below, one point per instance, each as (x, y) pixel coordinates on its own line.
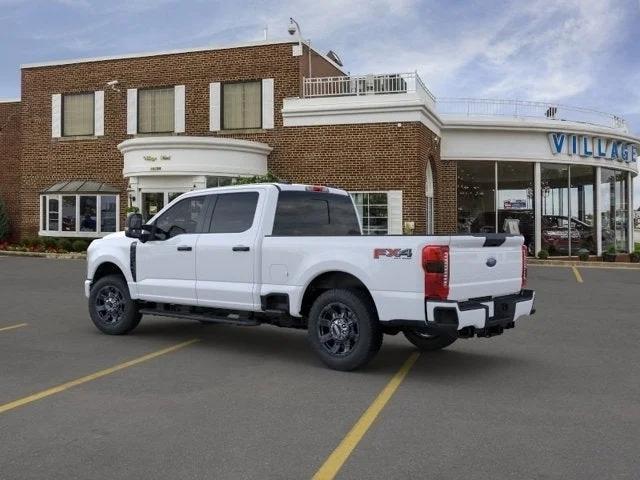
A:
(107, 268)
(329, 280)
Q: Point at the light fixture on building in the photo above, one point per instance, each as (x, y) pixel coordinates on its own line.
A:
(112, 85)
(294, 27)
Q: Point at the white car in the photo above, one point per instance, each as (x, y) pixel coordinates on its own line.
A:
(294, 256)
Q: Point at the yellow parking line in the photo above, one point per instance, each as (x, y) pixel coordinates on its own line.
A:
(94, 376)
(12, 327)
(334, 463)
(577, 274)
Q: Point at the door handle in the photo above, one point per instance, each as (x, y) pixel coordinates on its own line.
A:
(240, 248)
(184, 248)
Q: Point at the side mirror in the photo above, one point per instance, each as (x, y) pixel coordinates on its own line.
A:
(134, 225)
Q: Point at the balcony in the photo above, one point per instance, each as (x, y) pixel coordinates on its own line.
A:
(381, 86)
(374, 84)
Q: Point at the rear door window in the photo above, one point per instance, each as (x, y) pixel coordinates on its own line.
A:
(233, 212)
(310, 213)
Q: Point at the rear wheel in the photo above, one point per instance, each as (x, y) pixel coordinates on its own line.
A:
(344, 330)
(111, 308)
(426, 342)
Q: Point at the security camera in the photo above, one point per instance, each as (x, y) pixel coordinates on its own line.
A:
(112, 85)
(291, 29)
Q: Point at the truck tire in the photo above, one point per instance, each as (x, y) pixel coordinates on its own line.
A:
(111, 308)
(344, 329)
(426, 342)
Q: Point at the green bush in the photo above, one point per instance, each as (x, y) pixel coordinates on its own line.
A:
(543, 254)
(4, 222)
(80, 245)
(29, 242)
(583, 254)
(268, 178)
(611, 249)
(49, 242)
(65, 244)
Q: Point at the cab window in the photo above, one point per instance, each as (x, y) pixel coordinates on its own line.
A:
(183, 218)
(233, 212)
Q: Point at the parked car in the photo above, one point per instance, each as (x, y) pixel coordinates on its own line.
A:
(485, 223)
(555, 234)
(294, 256)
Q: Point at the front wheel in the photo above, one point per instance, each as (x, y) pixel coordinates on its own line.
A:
(344, 330)
(426, 342)
(111, 308)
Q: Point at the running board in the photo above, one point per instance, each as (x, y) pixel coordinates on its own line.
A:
(231, 319)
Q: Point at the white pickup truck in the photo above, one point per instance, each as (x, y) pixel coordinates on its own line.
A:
(294, 256)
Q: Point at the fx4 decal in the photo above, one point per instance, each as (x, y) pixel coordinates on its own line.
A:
(404, 253)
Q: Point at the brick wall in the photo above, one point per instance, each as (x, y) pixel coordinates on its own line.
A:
(45, 161)
(354, 157)
(381, 156)
(10, 160)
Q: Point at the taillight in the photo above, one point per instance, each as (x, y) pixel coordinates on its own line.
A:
(524, 265)
(435, 262)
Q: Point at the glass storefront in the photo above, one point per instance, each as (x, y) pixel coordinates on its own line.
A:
(516, 212)
(501, 196)
(582, 206)
(476, 197)
(614, 194)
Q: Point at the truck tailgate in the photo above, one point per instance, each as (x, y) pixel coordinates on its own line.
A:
(482, 265)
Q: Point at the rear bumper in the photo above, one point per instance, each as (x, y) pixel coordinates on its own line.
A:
(473, 317)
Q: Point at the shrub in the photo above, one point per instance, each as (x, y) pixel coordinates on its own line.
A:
(49, 242)
(4, 222)
(79, 245)
(611, 249)
(31, 242)
(583, 254)
(65, 244)
(268, 178)
(543, 254)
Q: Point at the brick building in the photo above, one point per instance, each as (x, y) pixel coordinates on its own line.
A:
(91, 137)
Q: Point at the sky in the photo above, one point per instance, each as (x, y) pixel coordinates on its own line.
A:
(576, 52)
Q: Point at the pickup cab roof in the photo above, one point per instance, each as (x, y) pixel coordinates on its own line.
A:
(280, 186)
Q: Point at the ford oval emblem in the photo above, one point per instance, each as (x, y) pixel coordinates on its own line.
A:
(491, 262)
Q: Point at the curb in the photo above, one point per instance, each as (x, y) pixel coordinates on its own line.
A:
(58, 256)
(575, 263)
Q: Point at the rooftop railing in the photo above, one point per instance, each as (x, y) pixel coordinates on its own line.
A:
(374, 84)
(395, 83)
(476, 107)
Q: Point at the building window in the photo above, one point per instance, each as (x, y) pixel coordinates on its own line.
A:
(156, 110)
(373, 210)
(80, 215)
(516, 212)
(476, 197)
(614, 192)
(218, 181)
(69, 213)
(429, 200)
(241, 105)
(78, 114)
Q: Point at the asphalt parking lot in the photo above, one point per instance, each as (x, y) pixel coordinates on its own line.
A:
(557, 397)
